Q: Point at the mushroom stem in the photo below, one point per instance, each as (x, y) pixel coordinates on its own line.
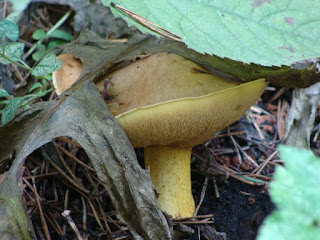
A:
(171, 177)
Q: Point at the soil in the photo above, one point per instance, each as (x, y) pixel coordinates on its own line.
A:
(240, 209)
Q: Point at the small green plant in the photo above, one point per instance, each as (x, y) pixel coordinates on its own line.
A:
(56, 38)
(11, 52)
(296, 192)
(12, 104)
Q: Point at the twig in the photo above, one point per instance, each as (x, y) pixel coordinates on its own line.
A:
(68, 178)
(243, 152)
(73, 176)
(150, 25)
(42, 175)
(104, 217)
(228, 134)
(84, 216)
(66, 214)
(43, 220)
(236, 147)
(246, 181)
(203, 193)
(95, 214)
(52, 220)
(261, 166)
(73, 157)
(216, 189)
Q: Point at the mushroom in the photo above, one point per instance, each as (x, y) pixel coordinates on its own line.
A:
(67, 74)
(168, 104)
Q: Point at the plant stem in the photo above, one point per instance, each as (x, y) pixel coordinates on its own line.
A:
(24, 65)
(35, 96)
(55, 27)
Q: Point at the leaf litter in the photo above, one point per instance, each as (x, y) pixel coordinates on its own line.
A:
(59, 177)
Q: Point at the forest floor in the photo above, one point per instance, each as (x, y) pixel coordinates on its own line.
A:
(230, 173)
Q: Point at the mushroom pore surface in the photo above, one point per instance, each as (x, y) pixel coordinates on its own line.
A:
(165, 99)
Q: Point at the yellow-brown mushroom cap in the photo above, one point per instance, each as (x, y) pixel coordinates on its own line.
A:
(65, 76)
(166, 99)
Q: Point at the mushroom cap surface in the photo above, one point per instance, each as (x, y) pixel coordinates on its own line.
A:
(65, 76)
(160, 78)
(165, 99)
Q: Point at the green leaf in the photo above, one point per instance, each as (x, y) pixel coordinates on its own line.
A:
(39, 34)
(276, 32)
(38, 55)
(41, 46)
(14, 16)
(295, 191)
(3, 93)
(9, 29)
(12, 50)
(55, 43)
(60, 34)
(35, 86)
(10, 110)
(48, 64)
(20, 5)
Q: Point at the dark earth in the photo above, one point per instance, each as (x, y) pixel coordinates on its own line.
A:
(240, 209)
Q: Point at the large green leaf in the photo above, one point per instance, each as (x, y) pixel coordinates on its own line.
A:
(20, 5)
(276, 32)
(47, 65)
(295, 191)
(12, 50)
(9, 29)
(10, 110)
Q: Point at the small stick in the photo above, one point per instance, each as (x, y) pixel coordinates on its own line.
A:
(43, 220)
(203, 193)
(228, 134)
(152, 26)
(236, 147)
(264, 163)
(53, 221)
(65, 206)
(17, 72)
(66, 214)
(243, 152)
(95, 214)
(216, 189)
(73, 157)
(104, 217)
(246, 181)
(257, 128)
(42, 175)
(192, 218)
(194, 222)
(73, 176)
(75, 184)
(84, 217)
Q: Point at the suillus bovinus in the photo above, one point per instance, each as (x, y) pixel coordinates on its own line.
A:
(167, 104)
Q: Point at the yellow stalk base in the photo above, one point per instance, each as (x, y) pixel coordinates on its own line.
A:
(171, 176)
